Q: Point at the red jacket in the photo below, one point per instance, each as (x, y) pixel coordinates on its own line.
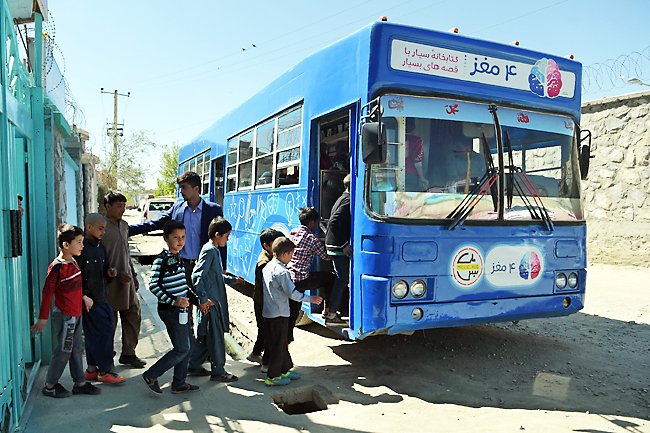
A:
(63, 281)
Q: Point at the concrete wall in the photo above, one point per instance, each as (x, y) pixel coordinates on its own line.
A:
(617, 192)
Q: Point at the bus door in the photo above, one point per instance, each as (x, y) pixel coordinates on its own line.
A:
(333, 164)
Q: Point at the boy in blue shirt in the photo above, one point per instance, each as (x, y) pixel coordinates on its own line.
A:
(278, 289)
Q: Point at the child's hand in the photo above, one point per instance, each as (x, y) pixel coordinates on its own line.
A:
(88, 303)
(205, 307)
(182, 302)
(111, 273)
(38, 326)
(347, 250)
(316, 300)
(239, 280)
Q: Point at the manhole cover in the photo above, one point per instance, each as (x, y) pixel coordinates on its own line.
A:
(304, 400)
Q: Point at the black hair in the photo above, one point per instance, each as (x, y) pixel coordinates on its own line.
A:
(308, 214)
(269, 235)
(189, 177)
(218, 225)
(170, 226)
(67, 233)
(114, 197)
(282, 245)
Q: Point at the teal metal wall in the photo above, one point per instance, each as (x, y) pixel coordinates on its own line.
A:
(24, 170)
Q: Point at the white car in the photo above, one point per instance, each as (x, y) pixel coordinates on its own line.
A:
(155, 207)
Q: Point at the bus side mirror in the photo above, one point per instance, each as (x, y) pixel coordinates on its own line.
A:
(584, 156)
(373, 143)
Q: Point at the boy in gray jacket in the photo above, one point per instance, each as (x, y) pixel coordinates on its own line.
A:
(278, 289)
(210, 286)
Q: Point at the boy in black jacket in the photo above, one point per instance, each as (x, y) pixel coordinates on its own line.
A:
(337, 243)
(97, 315)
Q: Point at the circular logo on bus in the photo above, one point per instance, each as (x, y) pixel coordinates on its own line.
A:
(467, 266)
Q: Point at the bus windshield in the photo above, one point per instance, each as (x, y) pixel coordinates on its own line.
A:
(441, 150)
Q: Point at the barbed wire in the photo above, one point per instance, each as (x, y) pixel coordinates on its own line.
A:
(615, 73)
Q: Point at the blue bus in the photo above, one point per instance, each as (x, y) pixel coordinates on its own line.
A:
(465, 156)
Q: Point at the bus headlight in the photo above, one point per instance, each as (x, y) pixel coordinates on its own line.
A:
(418, 288)
(572, 280)
(560, 280)
(400, 289)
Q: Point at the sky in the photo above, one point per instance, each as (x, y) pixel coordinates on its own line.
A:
(186, 64)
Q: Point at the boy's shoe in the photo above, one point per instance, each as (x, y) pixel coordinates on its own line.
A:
(224, 377)
(57, 391)
(264, 368)
(198, 372)
(186, 387)
(87, 388)
(277, 381)
(133, 361)
(152, 384)
(292, 375)
(255, 358)
(91, 375)
(110, 377)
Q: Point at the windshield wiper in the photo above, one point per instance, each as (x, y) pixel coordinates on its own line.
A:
(480, 190)
(513, 184)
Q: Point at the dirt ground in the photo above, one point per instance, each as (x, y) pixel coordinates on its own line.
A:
(538, 374)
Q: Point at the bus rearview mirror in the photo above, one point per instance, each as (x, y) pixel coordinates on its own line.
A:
(373, 143)
(584, 156)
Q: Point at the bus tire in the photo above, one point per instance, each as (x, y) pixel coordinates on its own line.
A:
(303, 319)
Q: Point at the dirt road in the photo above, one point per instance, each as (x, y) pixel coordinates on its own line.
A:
(586, 372)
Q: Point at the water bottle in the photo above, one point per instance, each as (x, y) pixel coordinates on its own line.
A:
(183, 316)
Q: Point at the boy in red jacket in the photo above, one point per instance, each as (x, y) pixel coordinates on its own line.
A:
(64, 283)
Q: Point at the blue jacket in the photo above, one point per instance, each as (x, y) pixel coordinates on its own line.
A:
(208, 212)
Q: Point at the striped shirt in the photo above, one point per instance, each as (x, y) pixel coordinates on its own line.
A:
(174, 283)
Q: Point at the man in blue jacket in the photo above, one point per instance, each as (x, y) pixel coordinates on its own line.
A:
(195, 213)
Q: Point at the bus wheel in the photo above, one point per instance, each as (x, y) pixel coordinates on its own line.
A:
(303, 319)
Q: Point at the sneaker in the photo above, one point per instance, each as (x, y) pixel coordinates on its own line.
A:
(110, 377)
(264, 368)
(186, 387)
(198, 372)
(277, 381)
(255, 358)
(334, 319)
(292, 375)
(133, 361)
(91, 375)
(224, 377)
(87, 388)
(57, 391)
(152, 384)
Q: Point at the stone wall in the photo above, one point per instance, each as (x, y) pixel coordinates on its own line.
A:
(617, 191)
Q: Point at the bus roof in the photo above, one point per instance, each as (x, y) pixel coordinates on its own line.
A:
(384, 57)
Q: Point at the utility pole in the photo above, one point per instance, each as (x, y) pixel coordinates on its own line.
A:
(117, 130)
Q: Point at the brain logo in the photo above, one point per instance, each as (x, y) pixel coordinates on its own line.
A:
(545, 78)
(530, 266)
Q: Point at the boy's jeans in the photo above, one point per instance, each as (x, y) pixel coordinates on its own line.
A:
(67, 347)
(179, 355)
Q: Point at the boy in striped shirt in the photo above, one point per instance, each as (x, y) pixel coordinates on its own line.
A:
(169, 285)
